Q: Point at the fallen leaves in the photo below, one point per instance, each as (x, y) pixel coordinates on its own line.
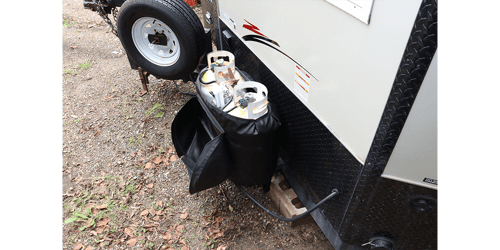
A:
(148, 165)
(103, 222)
(157, 160)
(77, 246)
(129, 231)
(150, 185)
(170, 149)
(184, 216)
(89, 222)
(173, 158)
(216, 233)
(145, 212)
(167, 236)
(103, 206)
(132, 242)
(165, 159)
(102, 188)
(109, 97)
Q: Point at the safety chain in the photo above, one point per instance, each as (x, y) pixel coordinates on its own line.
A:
(114, 11)
(104, 16)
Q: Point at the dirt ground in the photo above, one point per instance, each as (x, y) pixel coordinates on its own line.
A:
(123, 185)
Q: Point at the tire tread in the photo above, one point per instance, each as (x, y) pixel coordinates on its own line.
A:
(187, 21)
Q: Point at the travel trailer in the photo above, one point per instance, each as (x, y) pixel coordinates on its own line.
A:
(353, 82)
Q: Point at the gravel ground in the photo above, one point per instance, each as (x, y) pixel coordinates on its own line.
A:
(123, 186)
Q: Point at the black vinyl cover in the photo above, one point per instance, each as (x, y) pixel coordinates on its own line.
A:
(252, 144)
(216, 145)
(205, 155)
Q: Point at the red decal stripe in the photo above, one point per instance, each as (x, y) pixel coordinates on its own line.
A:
(302, 71)
(252, 28)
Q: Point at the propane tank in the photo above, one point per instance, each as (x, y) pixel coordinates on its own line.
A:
(217, 82)
(251, 99)
(220, 66)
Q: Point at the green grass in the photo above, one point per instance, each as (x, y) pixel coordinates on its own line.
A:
(67, 23)
(155, 207)
(74, 121)
(79, 216)
(85, 65)
(111, 177)
(70, 72)
(131, 188)
(82, 200)
(154, 109)
(81, 66)
(131, 141)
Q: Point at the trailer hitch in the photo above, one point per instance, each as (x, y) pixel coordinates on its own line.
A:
(98, 6)
(89, 4)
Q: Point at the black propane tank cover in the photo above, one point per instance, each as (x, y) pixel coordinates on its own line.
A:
(216, 146)
(252, 144)
(381, 243)
(204, 150)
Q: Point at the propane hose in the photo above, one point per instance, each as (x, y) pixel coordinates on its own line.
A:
(334, 193)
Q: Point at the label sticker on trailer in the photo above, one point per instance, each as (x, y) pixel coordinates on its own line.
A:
(302, 82)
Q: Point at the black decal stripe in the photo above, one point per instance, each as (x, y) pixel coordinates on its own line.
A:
(249, 37)
(255, 38)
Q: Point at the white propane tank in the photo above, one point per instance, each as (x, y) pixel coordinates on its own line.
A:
(252, 100)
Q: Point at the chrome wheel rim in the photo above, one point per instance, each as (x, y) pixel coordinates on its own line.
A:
(161, 55)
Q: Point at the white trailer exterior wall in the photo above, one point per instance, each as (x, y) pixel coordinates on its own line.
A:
(354, 63)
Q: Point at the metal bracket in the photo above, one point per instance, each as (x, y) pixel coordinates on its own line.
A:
(144, 80)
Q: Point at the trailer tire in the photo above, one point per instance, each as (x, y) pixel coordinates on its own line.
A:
(144, 22)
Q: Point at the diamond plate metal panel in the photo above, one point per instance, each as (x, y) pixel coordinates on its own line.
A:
(321, 162)
(390, 214)
(418, 55)
(367, 204)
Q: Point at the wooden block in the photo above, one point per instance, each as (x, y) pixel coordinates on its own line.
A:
(287, 201)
